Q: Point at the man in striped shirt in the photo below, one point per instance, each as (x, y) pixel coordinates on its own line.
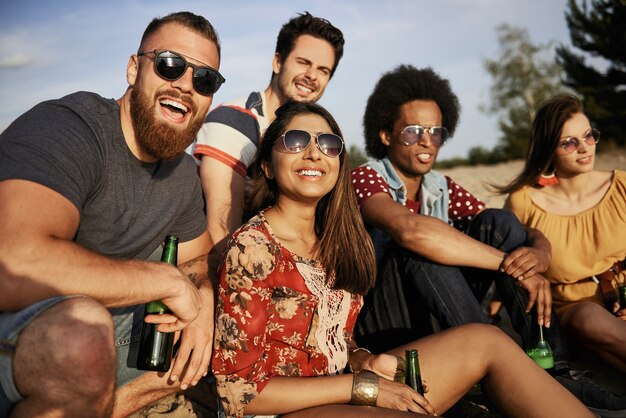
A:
(308, 50)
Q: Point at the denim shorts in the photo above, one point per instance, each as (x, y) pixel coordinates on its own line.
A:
(127, 322)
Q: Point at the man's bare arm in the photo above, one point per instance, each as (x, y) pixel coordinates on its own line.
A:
(224, 191)
(38, 259)
(428, 236)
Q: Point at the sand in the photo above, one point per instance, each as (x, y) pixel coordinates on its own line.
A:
(477, 178)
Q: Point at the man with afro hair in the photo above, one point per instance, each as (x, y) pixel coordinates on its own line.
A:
(430, 254)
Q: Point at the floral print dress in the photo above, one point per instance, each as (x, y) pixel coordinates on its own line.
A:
(276, 316)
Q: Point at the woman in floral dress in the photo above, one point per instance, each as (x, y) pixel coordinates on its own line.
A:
(290, 289)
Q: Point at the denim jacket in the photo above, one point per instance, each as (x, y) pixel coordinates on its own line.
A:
(433, 197)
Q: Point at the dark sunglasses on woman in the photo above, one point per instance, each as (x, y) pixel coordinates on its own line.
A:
(172, 65)
(296, 140)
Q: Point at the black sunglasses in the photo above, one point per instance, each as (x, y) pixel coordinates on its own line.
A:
(571, 143)
(172, 65)
(296, 140)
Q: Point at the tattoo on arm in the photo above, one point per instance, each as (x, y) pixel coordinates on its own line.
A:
(195, 269)
(193, 276)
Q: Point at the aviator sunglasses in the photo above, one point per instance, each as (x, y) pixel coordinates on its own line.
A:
(171, 66)
(571, 143)
(295, 141)
(413, 134)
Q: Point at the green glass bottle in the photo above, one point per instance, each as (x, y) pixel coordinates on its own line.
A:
(542, 354)
(622, 296)
(413, 376)
(155, 348)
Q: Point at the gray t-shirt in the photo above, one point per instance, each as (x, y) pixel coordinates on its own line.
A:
(75, 146)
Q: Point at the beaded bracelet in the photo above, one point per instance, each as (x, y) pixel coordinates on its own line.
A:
(364, 388)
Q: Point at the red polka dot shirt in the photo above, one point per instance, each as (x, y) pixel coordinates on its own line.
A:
(463, 206)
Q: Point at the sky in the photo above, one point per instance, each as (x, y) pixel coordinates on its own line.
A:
(51, 48)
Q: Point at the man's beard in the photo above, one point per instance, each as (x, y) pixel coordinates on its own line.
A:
(157, 138)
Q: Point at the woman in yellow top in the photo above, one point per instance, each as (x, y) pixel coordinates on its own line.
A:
(582, 212)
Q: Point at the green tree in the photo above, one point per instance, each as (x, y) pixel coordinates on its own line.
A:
(598, 29)
(478, 155)
(524, 75)
(356, 156)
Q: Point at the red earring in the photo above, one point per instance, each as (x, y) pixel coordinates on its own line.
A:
(546, 180)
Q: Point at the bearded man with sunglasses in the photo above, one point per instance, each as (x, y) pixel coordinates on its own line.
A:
(438, 249)
(308, 51)
(89, 189)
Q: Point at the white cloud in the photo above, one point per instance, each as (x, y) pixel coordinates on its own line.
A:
(16, 60)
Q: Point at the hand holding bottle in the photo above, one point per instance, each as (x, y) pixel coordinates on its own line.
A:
(393, 394)
(156, 346)
(196, 339)
(538, 293)
(397, 395)
(183, 300)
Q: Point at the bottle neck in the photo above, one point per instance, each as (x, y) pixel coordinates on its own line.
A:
(170, 251)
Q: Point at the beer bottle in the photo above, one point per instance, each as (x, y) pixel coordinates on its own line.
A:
(155, 347)
(413, 376)
(542, 354)
(622, 296)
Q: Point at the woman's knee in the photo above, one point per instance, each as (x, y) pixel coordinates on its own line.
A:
(485, 337)
(591, 322)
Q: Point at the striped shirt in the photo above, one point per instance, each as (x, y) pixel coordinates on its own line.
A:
(232, 132)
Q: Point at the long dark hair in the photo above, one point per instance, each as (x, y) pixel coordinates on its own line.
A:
(545, 136)
(343, 243)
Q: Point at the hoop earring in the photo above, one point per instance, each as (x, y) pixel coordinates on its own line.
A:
(546, 180)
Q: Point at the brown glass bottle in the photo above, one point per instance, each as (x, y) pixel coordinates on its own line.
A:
(413, 376)
(155, 347)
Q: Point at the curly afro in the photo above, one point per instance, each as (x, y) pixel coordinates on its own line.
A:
(397, 87)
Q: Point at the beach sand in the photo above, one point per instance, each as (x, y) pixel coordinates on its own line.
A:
(474, 179)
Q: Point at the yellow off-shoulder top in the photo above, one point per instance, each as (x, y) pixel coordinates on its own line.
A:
(583, 245)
